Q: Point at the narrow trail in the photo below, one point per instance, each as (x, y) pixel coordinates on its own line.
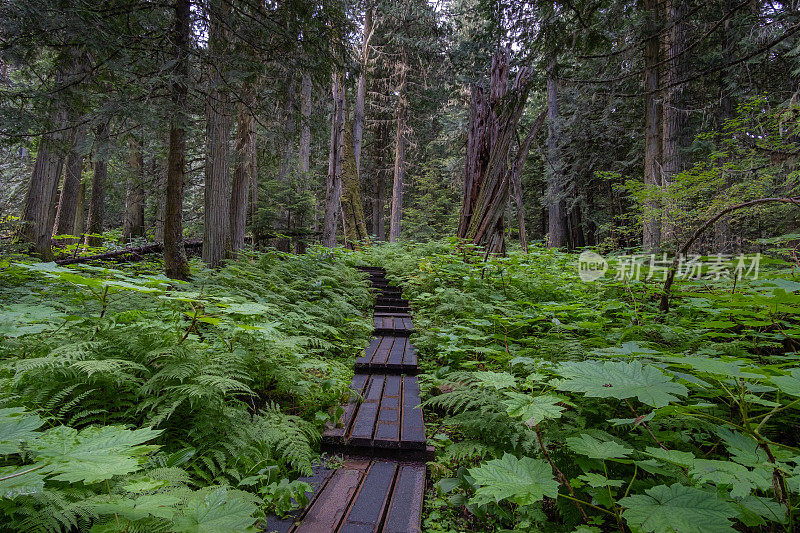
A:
(381, 483)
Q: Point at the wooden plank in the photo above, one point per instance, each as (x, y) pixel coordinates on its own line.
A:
(369, 351)
(329, 508)
(387, 425)
(336, 434)
(405, 510)
(382, 354)
(321, 474)
(365, 515)
(395, 359)
(412, 431)
(410, 356)
(364, 423)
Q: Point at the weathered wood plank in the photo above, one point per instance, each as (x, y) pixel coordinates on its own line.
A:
(369, 506)
(364, 424)
(387, 426)
(405, 510)
(412, 433)
(337, 434)
(330, 506)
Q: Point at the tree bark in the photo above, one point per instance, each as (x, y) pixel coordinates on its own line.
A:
(722, 230)
(556, 216)
(675, 121)
(37, 224)
(97, 203)
(160, 169)
(358, 117)
(651, 222)
(516, 176)
(304, 154)
(492, 127)
(79, 225)
(399, 150)
(133, 223)
(379, 208)
(283, 223)
(355, 224)
(175, 264)
(245, 168)
(333, 196)
(216, 217)
(68, 201)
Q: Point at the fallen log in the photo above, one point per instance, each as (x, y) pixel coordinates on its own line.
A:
(126, 254)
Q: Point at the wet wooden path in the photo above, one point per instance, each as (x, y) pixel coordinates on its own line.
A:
(381, 436)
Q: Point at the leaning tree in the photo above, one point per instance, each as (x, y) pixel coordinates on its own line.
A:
(487, 174)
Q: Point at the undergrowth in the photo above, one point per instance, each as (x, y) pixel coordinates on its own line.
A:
(560, 405)
(134, 403)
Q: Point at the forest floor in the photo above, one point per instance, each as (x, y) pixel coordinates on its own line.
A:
(132, 402)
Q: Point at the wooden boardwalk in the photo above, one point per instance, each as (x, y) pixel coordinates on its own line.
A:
(381, 435)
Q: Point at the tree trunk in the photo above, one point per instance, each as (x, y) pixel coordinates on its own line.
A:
(399, 150)
(36, 214)
(68, 201)
(358, 118)
(283, 223)
(492, 126)
(245, 168)
(355, 225)
(516, 176)
(651, 222)
(304, 154)
(556, 216)
(133, 223)
(175, 264)
(722, 229)
(97, 203)
(675, 121)
(79, 225)
(379, 205)
(333, 195)
(160, 197)
(216, 216)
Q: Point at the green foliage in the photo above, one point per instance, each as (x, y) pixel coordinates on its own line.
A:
(236, 373)
(522, 481)
(683, 422)
(678, 509)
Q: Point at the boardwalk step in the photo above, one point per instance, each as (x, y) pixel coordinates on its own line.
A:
(364, 496)
(391, 300)
(393, 325)
(388, 419)
(389, 355)
(392, 309)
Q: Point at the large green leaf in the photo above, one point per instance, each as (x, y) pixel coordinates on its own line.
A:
(522, 481)
(216, 512)
(678, 509)
(17, 426)
(157, 505)
(20, 481)
(789, 384)
(532, 409)
(618, 379)
(597, 449)
(498, 380)
(93, 454)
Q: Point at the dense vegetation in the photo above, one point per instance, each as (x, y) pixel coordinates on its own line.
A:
(490, 143)
(130, 402)
(563, 404)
